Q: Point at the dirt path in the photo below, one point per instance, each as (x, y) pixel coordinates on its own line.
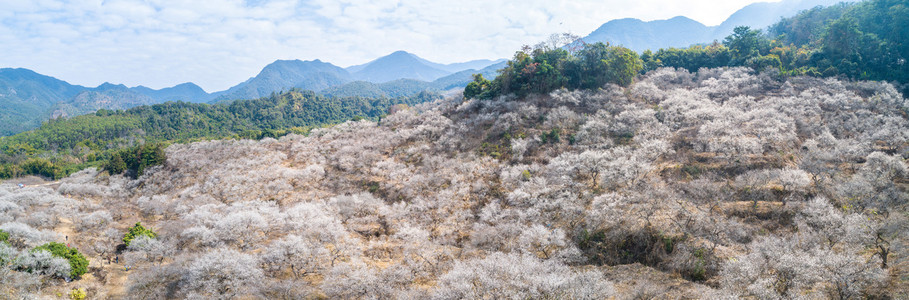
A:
(33, 181)
(117, 277)
(47, 183)
(65, 228)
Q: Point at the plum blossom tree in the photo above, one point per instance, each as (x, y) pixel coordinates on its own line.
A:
(222, 273)
(299, 255)
(517, 276)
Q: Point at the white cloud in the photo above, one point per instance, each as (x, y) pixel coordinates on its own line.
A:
(219, 43)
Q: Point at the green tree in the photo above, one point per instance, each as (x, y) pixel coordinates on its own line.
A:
(760, 63)
(115, 165)
(842, 38)
(622, 65)
(476, 88)
(77, 262)
(40, 166)
(136, 231)
(745, 43)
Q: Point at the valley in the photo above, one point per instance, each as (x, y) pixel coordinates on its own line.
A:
(770, 163)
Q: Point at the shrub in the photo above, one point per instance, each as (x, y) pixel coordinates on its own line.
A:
(136, 231)
(42, 262)
(77, 294)
(41, 167)
(77, 262)
(4, 237)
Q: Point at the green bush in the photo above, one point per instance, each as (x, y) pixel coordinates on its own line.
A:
(4, 236)
(77, 262)
(136, 231)
(760, 63)
(40, 166)
(551, 137)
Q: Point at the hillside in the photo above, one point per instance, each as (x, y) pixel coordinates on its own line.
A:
(62, 146)
(861, 41)
(30, 99)
(105, 96)
(769, 165)
(716, 184)
(392, 89)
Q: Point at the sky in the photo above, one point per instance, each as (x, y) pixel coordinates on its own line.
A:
(220, 43)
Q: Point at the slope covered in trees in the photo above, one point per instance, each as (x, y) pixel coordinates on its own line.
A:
(62, 146)
(681, 32)
(720, 183)
(865, 41)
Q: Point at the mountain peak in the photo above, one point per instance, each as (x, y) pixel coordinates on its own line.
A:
(295, 64)
(398, 65)
(281, 75)
(400, 52)
(682, 19)
(399, 55)
(110, 86)
(187, 85)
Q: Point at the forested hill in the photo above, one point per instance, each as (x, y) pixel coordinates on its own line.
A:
(61, 146)
(681, 31)
(868, 40)
(860, 41)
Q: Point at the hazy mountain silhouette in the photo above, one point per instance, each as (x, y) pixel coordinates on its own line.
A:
(186, 92)
(397, 65)
(286, 74)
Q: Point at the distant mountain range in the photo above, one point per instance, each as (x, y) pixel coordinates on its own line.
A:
(28, 98)
(397, 74)
(406, 87)
(682, 32)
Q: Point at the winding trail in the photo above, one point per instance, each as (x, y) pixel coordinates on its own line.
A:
(116, 277)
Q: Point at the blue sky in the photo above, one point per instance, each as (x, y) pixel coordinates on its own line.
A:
(219, 43)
